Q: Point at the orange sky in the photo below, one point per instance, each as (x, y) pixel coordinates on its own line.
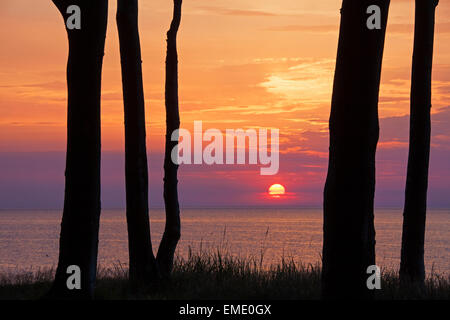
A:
(243, 64)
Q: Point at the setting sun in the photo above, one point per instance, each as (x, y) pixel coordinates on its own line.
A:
(276, 190)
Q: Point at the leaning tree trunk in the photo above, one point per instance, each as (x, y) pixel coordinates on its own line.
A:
(80, 221)
(349, 233)
(412, 267)
(142, 261)
(171, 234)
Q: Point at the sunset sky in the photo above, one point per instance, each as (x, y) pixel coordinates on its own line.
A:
(243, 64)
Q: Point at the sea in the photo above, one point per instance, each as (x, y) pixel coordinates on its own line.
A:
(29, 238)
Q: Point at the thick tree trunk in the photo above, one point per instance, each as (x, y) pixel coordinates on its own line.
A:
(172, 229)
(412, 267)
(80, 221)
(142, 261)
(349, 234)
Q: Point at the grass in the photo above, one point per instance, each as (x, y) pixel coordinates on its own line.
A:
(218, 275)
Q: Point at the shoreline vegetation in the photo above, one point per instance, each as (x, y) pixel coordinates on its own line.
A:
(218, 275)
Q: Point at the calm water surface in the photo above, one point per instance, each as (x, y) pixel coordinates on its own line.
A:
(29, 239)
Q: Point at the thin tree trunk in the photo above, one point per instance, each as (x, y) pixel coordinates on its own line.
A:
(412, 265)
(349, 233)
(172, 231)
(142, 267)
(80, 221)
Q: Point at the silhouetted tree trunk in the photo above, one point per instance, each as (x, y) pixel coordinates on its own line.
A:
(80, 221)
(349, 233)
(142, 261)
(412, 265)
(172, 231)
